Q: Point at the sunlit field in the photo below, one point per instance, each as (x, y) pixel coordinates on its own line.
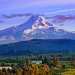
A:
(42, 64)
(69, 72)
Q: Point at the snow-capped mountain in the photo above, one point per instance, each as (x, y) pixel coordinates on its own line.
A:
(35, 28)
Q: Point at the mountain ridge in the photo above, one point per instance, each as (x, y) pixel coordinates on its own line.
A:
(38, 46)
(35, 28)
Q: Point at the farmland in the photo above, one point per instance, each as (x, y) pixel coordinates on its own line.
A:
(58, 63)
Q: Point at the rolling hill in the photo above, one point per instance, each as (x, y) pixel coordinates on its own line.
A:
(38, 46)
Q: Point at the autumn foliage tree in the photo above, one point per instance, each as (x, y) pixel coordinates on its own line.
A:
(56, 62)
(45, 70)
(29, 69)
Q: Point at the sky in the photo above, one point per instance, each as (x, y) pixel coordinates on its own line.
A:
(60, 13)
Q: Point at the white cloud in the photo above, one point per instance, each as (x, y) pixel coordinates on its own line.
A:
(59, 11)
(4, 38)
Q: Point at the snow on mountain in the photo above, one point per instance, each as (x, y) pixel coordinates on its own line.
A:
(35, 28)
(38, 23)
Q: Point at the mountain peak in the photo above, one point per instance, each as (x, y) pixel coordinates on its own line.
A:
(40, 22)
(35, 22)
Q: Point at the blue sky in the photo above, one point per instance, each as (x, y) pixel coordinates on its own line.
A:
(25, 8)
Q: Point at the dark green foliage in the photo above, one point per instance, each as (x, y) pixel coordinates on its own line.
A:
(38, 46)
(63, 66)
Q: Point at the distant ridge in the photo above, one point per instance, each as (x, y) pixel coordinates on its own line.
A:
(41, 46)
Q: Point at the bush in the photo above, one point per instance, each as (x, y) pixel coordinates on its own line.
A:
(63, 66)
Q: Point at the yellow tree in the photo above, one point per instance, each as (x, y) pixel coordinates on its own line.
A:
(26, 70)
(29, 70)
(36, 69)
(19, 71)
(56, 62)
(42, 71)
(45, 70)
